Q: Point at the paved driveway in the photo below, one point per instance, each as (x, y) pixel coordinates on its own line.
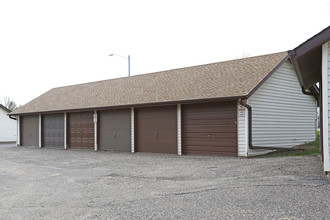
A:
(79, 184)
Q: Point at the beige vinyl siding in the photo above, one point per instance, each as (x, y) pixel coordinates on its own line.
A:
(282, 115)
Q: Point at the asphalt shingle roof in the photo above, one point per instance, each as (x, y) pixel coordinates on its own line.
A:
(216, 80)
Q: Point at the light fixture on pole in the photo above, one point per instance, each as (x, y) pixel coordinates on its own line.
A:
(129, 61)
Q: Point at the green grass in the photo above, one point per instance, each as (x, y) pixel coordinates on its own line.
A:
(311, 148)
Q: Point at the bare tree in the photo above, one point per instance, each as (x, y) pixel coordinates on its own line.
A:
(245, 55)
(9, 103)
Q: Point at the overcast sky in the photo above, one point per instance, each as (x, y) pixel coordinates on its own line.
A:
(46, 44)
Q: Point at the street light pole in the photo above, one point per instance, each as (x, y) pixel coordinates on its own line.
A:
(129, 65)
(129, 61)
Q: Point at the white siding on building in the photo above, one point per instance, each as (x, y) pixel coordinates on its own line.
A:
(282, 115)
(327, 149)
(132, 131)
(326, 101)
(8, 127)
(65, 128)
(179, 129)
(243, 135)
(242, 131)
(18, 139)
(40, 144)
(95, 130)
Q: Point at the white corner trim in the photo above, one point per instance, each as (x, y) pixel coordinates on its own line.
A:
(179, 129)
(132, 131)
(40, 130)
(95, 130)
(325, 103)
(246, 131)
(18, 132)
(242, 131)
(65, 133)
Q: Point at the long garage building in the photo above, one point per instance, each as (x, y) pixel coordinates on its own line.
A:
(241, 107)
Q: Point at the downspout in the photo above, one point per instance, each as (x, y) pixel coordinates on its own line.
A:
(316, 94)
(251, 146)
(12, 117)
(305, 92)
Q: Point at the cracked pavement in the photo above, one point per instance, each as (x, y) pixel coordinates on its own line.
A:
(81, 184)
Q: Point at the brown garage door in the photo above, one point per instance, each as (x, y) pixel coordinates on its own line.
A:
(115, 130)
(210, 129)
(156, 129)
(81, 130)
(53, 130)
(29, 126)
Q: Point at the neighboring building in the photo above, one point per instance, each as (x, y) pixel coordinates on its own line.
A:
(8, 127)
(312, 63)
(195, 110)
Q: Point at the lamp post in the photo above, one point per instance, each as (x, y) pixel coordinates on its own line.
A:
(129, 61)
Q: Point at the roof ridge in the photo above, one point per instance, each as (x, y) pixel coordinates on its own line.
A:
(168, 70)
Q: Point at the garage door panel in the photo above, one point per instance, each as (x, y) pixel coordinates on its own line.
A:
(156, 129)
(211, 142)
(213, 134)
(215, 108)
(113, 134)
(227, 121)
(81, 130)
(163, 111)
(118, 141)
(29, 130)
(205, 116)
(115, 130)
(53, 130)
(148, 124)
(118, 125)
(164, 136)
(211, 148)
(156, 123)
(221, 152)
(116, 145)
(210, 128)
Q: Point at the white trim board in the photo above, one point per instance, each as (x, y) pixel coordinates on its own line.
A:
(325, 103)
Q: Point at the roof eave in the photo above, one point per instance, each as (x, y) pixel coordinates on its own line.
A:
(307, 58)
(191, 101)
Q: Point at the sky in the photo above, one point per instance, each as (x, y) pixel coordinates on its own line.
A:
(46, 44)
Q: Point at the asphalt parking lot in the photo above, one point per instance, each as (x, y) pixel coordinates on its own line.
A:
(80, 184)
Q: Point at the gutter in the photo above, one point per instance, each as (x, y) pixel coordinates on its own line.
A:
(136, 105)
(251, 146)
(315, 92)
(305, 92)
(11, 117)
